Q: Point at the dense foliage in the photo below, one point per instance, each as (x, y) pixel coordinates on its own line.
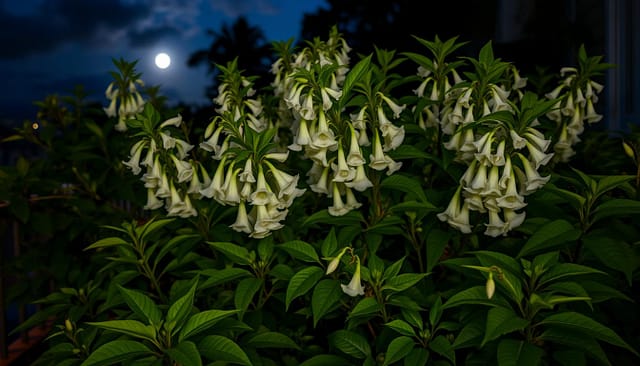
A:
(346, 214)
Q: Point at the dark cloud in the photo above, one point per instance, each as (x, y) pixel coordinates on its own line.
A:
(98, 23)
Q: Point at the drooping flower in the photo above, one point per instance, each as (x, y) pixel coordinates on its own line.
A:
(354, 288)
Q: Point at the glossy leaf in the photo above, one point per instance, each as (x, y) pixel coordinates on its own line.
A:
(398, 349)
(325, 298)
(202, 321)
(302, 282)
(142, 305)
(271, 340)
(219, 348)
(117, 351)
(518, 353)
(300, 250)
(350, 343)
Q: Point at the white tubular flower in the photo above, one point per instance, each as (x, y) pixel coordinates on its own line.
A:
(591, 116)
(278, 156)
(360, 182)
(153, 175)
(479, 181)
(184, 169)
(121, 126)
(150, 156)
(483, 146)
(469, 174)
(576, 126)
(354, 158)
(195, 185)
(563, 148)
(492, 188)
(293, 99)
(377, 158)
(111, 110)
(263, 193)
(242, 223)
(465, 97)
(168, 142)
(455, 142)
(352, 203)
(518, 82)
(264, 224)
(498, 158)
(335, 261)
(215, 187)
(247, 172)
(152, 201)
(511, 199)
(211, 143)
(457, 115)
(363, 139)
(183, 148)
(579, 100)
(419, 91)
(567, 69)
(324, 136)
(134, 160)
(218, 151)
(555, 114)
(174, 121)
(164, 189)
(338, 208)
(537, 138)
(343, 172)
(231, 195)
(397, 109)
(455, 216)
(359, 120)
(533, 180)
(286, 182)
(188, 210)
(538, 157)
(513, 219)
(245, 192)
(518, 141)
(175, 204)
(569, 108)
(254, 105)
(307, 111)
(507, 173)
(327, 94)
(393, 136)
(354, 288)
(302, 138)
(496, 226)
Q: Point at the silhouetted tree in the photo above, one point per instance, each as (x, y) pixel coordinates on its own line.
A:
(242, 41)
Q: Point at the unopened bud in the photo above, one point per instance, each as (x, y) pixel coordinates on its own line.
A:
(491, 286)
(68, 325)
(629, 150)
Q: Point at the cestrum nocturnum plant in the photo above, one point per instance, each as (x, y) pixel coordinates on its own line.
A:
(316, 85)
(241, 139)
(125, 101)
(491, 128)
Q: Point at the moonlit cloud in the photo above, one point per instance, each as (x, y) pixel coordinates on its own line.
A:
(235, 8)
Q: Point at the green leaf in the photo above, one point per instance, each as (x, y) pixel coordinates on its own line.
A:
(470, 335)
(549, 236)
(302, 282)
(574, 199)
(108, 242)
(441, 346)
(350, 343)
(615, 254)
(222, 276)
(403, 281)
(330, 244)
(152, 226)
(180, 309)
(398, 349)
(564, 270)
(435, 312)
(390, 225)
(437, 240)
(236, 253)
(616, 207)
(577, 340)
(401, 327)
(324, 360)
(166, 247)
(325, 297)
(365, 307)
(114, 352)
(142, 305)
(202, 321)
(393, 269)
(132, 328)
(219, 348)
(421, 208)
(518, 353)
(586, 325)
(610, 182)
(352, 218)
(475, 295)
(272, 340)
(185, 353)
(355, 74)
(300, 250)
(501, 321)
(417, 357)
(245, 291)
(405, 184)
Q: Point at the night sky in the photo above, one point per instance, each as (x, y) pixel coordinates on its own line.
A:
(49, 46)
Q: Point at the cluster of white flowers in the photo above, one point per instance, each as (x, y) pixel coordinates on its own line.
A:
(574, 107)
(245, 175)
(311, 89)
(354, 288)
(130, 101)
(171, 176)
(502, 162)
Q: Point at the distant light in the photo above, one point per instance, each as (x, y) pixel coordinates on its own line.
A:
(163, 60)
(35, 125)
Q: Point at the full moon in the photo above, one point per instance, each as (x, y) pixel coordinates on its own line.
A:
(163, 60)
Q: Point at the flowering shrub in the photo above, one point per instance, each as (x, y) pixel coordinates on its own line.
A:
(348, 214)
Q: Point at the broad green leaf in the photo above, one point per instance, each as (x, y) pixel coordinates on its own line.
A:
(398, 349)
(219, 348)
(401, 327)
(435, 312)
(114, 352)
(393, 269)
(271, 340)
(405, 184)
(549, 236)
(236, 253)
(610, 182)
(586, 325)
(412, 317)
(616, 207)
(302, 282)
(325, 298)
(108, 242)
(488, 258)
(577, 340)
(600, 292)
(367, 306)
(265, 248)
(470, 335)
(324, 360)
(352, 218)
(202, 321)
(166, 247)
(420, 208)
(403, 281)
(185, 353)
(390, 225)
(151, 226)
(300, 250)
(220, 277)
(180, 309)
(518, 353)
(615, 254)
(142, 305)
(574, 199)
(330, 244)
(353, 76)
(132, 328)
(417, 357)
(437, 240)
(501, 321)
(350, 343)
(441, 346)
(564, 270)
(473, 295)
(245, 291)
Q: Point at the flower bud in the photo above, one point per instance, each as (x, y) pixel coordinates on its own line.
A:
(490, 286)
(629, 150)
